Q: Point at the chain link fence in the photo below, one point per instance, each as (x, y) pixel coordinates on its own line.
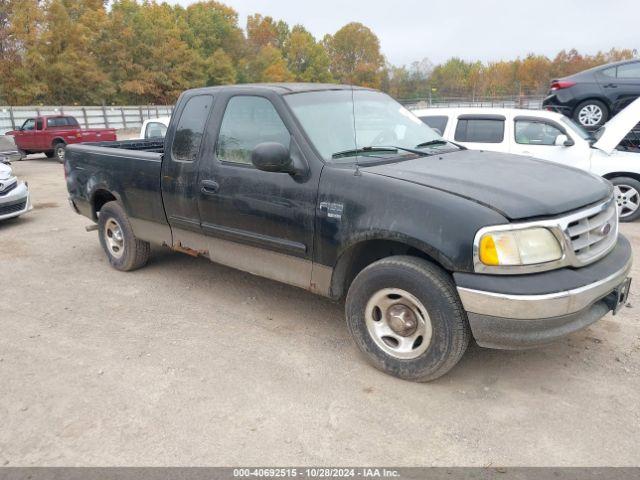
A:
(119, 117)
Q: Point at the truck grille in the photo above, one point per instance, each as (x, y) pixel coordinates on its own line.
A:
(592, 232)
(16, 207)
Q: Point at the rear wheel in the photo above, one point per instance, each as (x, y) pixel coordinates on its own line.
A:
(59, 151)
(23, 154)
(591, 113)
(627, 193)
(405, 315)
(124, 251)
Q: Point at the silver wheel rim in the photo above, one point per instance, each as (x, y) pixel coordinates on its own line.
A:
(627, 198)
(60, 153)
(398, 323)
(590, 115)
(114, 238)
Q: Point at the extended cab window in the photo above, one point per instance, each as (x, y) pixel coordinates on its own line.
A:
(529, 132)
(190, 129)
(437, 123)
(39, 124)
(247, 122)
(480, 130)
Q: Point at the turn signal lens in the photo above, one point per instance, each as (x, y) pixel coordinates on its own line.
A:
(519, 247)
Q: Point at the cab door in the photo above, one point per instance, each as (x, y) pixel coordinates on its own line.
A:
(257, 221)
(537, 137)
(25, 136)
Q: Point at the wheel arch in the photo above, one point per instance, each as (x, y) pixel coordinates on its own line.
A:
(99, 197)
(612, 175)
(57, 140)
(362, 252)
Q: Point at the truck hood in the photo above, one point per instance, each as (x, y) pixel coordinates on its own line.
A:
(517, 187)
(612, 132)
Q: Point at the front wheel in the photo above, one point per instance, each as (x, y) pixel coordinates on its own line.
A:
(124, 251)
(405, 315)
(627, 193)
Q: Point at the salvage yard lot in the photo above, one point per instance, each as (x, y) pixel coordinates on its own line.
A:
(186, 362)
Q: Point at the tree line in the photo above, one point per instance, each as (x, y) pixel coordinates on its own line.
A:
(93, 52)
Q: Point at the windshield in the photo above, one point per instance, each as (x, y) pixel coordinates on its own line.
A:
(577, 129)
(347, 124)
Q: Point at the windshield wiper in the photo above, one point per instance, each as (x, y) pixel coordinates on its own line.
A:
(437, 141)
(374, 149)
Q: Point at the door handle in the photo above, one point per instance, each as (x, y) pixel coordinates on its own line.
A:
(611, 85)
(209, 187)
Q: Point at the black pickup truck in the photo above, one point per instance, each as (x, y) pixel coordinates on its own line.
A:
(343, 192)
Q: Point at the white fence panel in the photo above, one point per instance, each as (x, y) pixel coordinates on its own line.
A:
(121, 116)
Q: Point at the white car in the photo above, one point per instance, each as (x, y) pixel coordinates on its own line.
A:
(550, 136)
(154, 127)
(14, 194)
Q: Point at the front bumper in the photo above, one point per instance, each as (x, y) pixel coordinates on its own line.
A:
(15, 202)
(529, 310)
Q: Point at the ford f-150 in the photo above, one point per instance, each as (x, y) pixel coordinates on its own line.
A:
(342, 191)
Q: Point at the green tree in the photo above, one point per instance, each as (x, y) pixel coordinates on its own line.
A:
(21, 62)
(213, 26)
(220, 70)
(354, 53)
(155, 63)
(307, 60)
(268, 65)
(67, 46)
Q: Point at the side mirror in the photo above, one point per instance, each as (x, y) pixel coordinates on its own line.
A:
(272, 157)
(563, 141)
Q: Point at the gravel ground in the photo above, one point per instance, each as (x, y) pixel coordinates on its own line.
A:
(190, 363)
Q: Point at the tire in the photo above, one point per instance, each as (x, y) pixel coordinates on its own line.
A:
(446, 332)
(124, 251)
(23, 154)
(59, 151)
(627, 193)
(591, 114)
(50, 153)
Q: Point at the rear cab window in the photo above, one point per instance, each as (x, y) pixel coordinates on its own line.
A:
(190, 129)
(480, 129)
(436, 122)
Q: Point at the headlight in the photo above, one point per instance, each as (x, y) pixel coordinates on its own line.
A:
(518, 247)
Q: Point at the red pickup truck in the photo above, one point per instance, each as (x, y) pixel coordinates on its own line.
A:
(51, 134)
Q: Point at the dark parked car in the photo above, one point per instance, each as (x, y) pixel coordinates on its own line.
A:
(345, 193)
(595, 95)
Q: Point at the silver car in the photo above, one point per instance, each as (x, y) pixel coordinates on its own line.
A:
(9, 152)
(14, 194)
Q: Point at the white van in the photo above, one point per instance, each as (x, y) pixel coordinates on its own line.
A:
(550, 136)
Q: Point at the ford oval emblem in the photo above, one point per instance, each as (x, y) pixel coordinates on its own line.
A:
(605, 229)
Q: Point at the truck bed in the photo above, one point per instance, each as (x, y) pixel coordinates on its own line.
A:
(130, 167)
(141, 145)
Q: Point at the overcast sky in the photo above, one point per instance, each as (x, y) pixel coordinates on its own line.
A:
(472, 29)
